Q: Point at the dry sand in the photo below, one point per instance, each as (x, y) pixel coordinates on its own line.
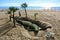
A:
(52, 17)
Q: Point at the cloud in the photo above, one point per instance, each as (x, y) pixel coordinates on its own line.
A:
(45, 4)
(11, 4)
(41, 3)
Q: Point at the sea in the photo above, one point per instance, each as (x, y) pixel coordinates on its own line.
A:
(31, 8)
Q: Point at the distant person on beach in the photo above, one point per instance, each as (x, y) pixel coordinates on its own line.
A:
(49, 35)
(19, 14)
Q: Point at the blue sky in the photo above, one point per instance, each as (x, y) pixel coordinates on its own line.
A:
(41, 3)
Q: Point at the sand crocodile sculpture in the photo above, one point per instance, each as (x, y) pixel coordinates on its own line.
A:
(40, 24)
(28, 24)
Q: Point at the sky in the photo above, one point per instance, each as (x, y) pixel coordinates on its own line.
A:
(40, 3)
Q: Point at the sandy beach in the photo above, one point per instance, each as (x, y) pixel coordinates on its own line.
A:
(48, 16)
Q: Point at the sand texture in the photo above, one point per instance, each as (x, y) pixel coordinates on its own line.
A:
(19, 33)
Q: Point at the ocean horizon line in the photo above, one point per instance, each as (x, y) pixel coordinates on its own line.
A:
(31, 7)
